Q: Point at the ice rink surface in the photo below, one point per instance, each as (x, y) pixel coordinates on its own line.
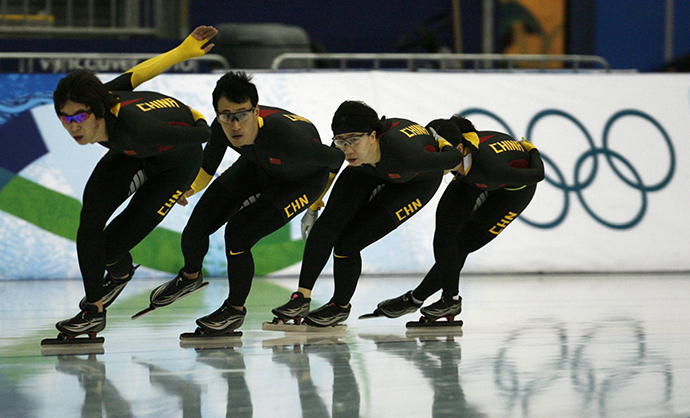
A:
(531, 346)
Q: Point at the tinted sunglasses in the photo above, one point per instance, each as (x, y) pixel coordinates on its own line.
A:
(79, 117)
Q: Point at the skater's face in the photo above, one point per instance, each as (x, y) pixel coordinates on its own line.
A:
(82, 124)
(240, 121)
(359, 147)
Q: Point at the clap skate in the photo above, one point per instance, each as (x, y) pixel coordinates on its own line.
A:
(89, 322)
(327, 317)
(324, 319)
(394, 308)
(220, 325)
(294, 310)
(171, 291)
(446, 307)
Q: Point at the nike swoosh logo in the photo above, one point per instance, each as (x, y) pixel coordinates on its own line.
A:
(235, 253)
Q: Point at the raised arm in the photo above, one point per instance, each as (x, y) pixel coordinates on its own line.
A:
(195, 45)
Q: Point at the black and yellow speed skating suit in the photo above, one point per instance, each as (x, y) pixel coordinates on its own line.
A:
(154, 152)
(498, 183)
(367, 202)
(280, 175)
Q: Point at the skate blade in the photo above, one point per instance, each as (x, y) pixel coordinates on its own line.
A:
(75, 346)
(205, 341)
(285, 327)
(374, 314)
(440, 329)
(152, 308)
(144, 312)
(434, 325)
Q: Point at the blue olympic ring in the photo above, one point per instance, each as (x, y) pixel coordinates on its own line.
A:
(610, 155)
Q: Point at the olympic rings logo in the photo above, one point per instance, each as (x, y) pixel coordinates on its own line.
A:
(581, 182)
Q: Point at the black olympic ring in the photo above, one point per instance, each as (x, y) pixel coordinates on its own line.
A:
(610, 155)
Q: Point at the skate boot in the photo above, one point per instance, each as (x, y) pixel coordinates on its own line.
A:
(445, 307)
(296, 309)
(176, 288)
(111, 288)
(225, 320)
(402, 305)
(328, 315)
(89, 322)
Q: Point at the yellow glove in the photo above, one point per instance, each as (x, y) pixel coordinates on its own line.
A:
(191, 47)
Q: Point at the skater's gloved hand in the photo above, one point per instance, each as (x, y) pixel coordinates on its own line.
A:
(182, 201)
(528, 146)
(442, 143)
(308, 221)
(192, 45)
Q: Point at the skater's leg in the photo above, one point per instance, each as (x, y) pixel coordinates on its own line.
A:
(212, 211)
(120, 267)
(351, 192)
(244, 230)
(392, 206)
(452, 213)
(107, 188)
(429, 285)
(488, 219)
(278, 204)
(127, 230)
(220, 202)
(469, 239)
(156, 188)
(369, 226)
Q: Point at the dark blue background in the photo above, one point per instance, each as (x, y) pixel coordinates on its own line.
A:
(629, 34)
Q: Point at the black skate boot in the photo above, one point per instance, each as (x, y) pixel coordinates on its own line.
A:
(328, 315)
(296, 309)
(111, 288)
(224, 321)
(176, 288)
(402, 305)
(445, 307)
(89, 322)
